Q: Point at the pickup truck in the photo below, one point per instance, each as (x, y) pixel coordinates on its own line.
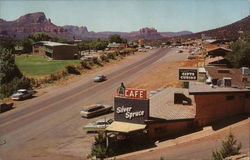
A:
(22, 94)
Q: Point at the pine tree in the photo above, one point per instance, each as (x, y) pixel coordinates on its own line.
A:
(11, 78)
(99, 148)
(8, 68)
(230, 147)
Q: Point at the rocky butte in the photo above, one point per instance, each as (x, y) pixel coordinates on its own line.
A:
(29, 24)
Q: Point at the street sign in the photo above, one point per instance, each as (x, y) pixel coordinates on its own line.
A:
(187, 74)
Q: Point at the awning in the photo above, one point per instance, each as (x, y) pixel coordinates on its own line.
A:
(125, 127)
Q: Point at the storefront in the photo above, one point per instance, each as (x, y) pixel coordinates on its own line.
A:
(135, 113)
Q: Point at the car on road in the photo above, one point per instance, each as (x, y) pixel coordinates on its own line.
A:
(99, 125)
(95, 110)
(179, 51)
(5, 107)
(100, 78)
(22, 94)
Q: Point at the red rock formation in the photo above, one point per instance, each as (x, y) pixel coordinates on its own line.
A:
(31, 23)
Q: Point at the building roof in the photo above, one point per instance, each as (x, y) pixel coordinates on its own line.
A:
(125, 127)
(52, 44)
(234, 73)
(219, 48)
(162, 106)
(218, 51)
(215, 59)
(202, 88)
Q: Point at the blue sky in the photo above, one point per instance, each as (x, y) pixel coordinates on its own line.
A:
(131, 15)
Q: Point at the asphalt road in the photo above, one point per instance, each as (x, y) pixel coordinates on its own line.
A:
(46, 119)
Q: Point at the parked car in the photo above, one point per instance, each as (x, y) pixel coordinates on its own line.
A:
(5, 107)
(100, 78)
(99, 125)
(22, 94)
(191, 57)
(95, 110)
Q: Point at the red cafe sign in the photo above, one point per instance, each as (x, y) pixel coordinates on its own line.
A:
(133, 93)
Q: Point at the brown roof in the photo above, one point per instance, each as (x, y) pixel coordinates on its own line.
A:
(218, 51)
(234, 73)
(162, 106)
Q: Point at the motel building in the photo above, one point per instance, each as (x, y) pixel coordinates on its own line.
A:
(55, 51)
(171, 112)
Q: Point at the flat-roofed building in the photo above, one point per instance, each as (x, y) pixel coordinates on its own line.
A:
(56, 51)
(214, 103)
(237, 77)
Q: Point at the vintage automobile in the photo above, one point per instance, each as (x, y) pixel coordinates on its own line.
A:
(100, 78)
(5, 107)
(22, 94)
(95, 110)
(99, 125)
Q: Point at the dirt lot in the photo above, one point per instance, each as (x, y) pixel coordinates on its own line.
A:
(163, 73)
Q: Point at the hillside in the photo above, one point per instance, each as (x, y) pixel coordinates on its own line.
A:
(230, 31)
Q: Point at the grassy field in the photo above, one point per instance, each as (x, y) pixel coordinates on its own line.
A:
(38, 66)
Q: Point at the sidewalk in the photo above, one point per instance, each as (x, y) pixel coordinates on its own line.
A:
(207, 131)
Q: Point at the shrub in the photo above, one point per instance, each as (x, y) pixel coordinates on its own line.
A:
(85, 64)
(96, 61)
(104, 58)
(72, 70)
(111, 55)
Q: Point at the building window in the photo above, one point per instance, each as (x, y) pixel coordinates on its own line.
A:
(230, 97)
(247, 95)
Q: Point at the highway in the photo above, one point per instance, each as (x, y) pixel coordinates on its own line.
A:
(44, 120)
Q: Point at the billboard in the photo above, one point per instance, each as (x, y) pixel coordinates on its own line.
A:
(188, 74)
(131, 110)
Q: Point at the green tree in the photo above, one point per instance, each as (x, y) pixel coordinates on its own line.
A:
(27, 44)
(98, 44)
(8, 68)
(7, 43)
(10, 76)
(240, 55)
(116, 38)
(99, 148)
(229, 147)
(82, 46)
(40, 36)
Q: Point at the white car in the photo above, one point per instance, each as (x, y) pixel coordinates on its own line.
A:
(95, 110)
(99, 125)
(100, 78)
(22, 94)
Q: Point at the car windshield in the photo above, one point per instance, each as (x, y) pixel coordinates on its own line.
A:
(21, 92)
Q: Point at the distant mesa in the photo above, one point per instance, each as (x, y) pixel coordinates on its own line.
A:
(37, 22)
